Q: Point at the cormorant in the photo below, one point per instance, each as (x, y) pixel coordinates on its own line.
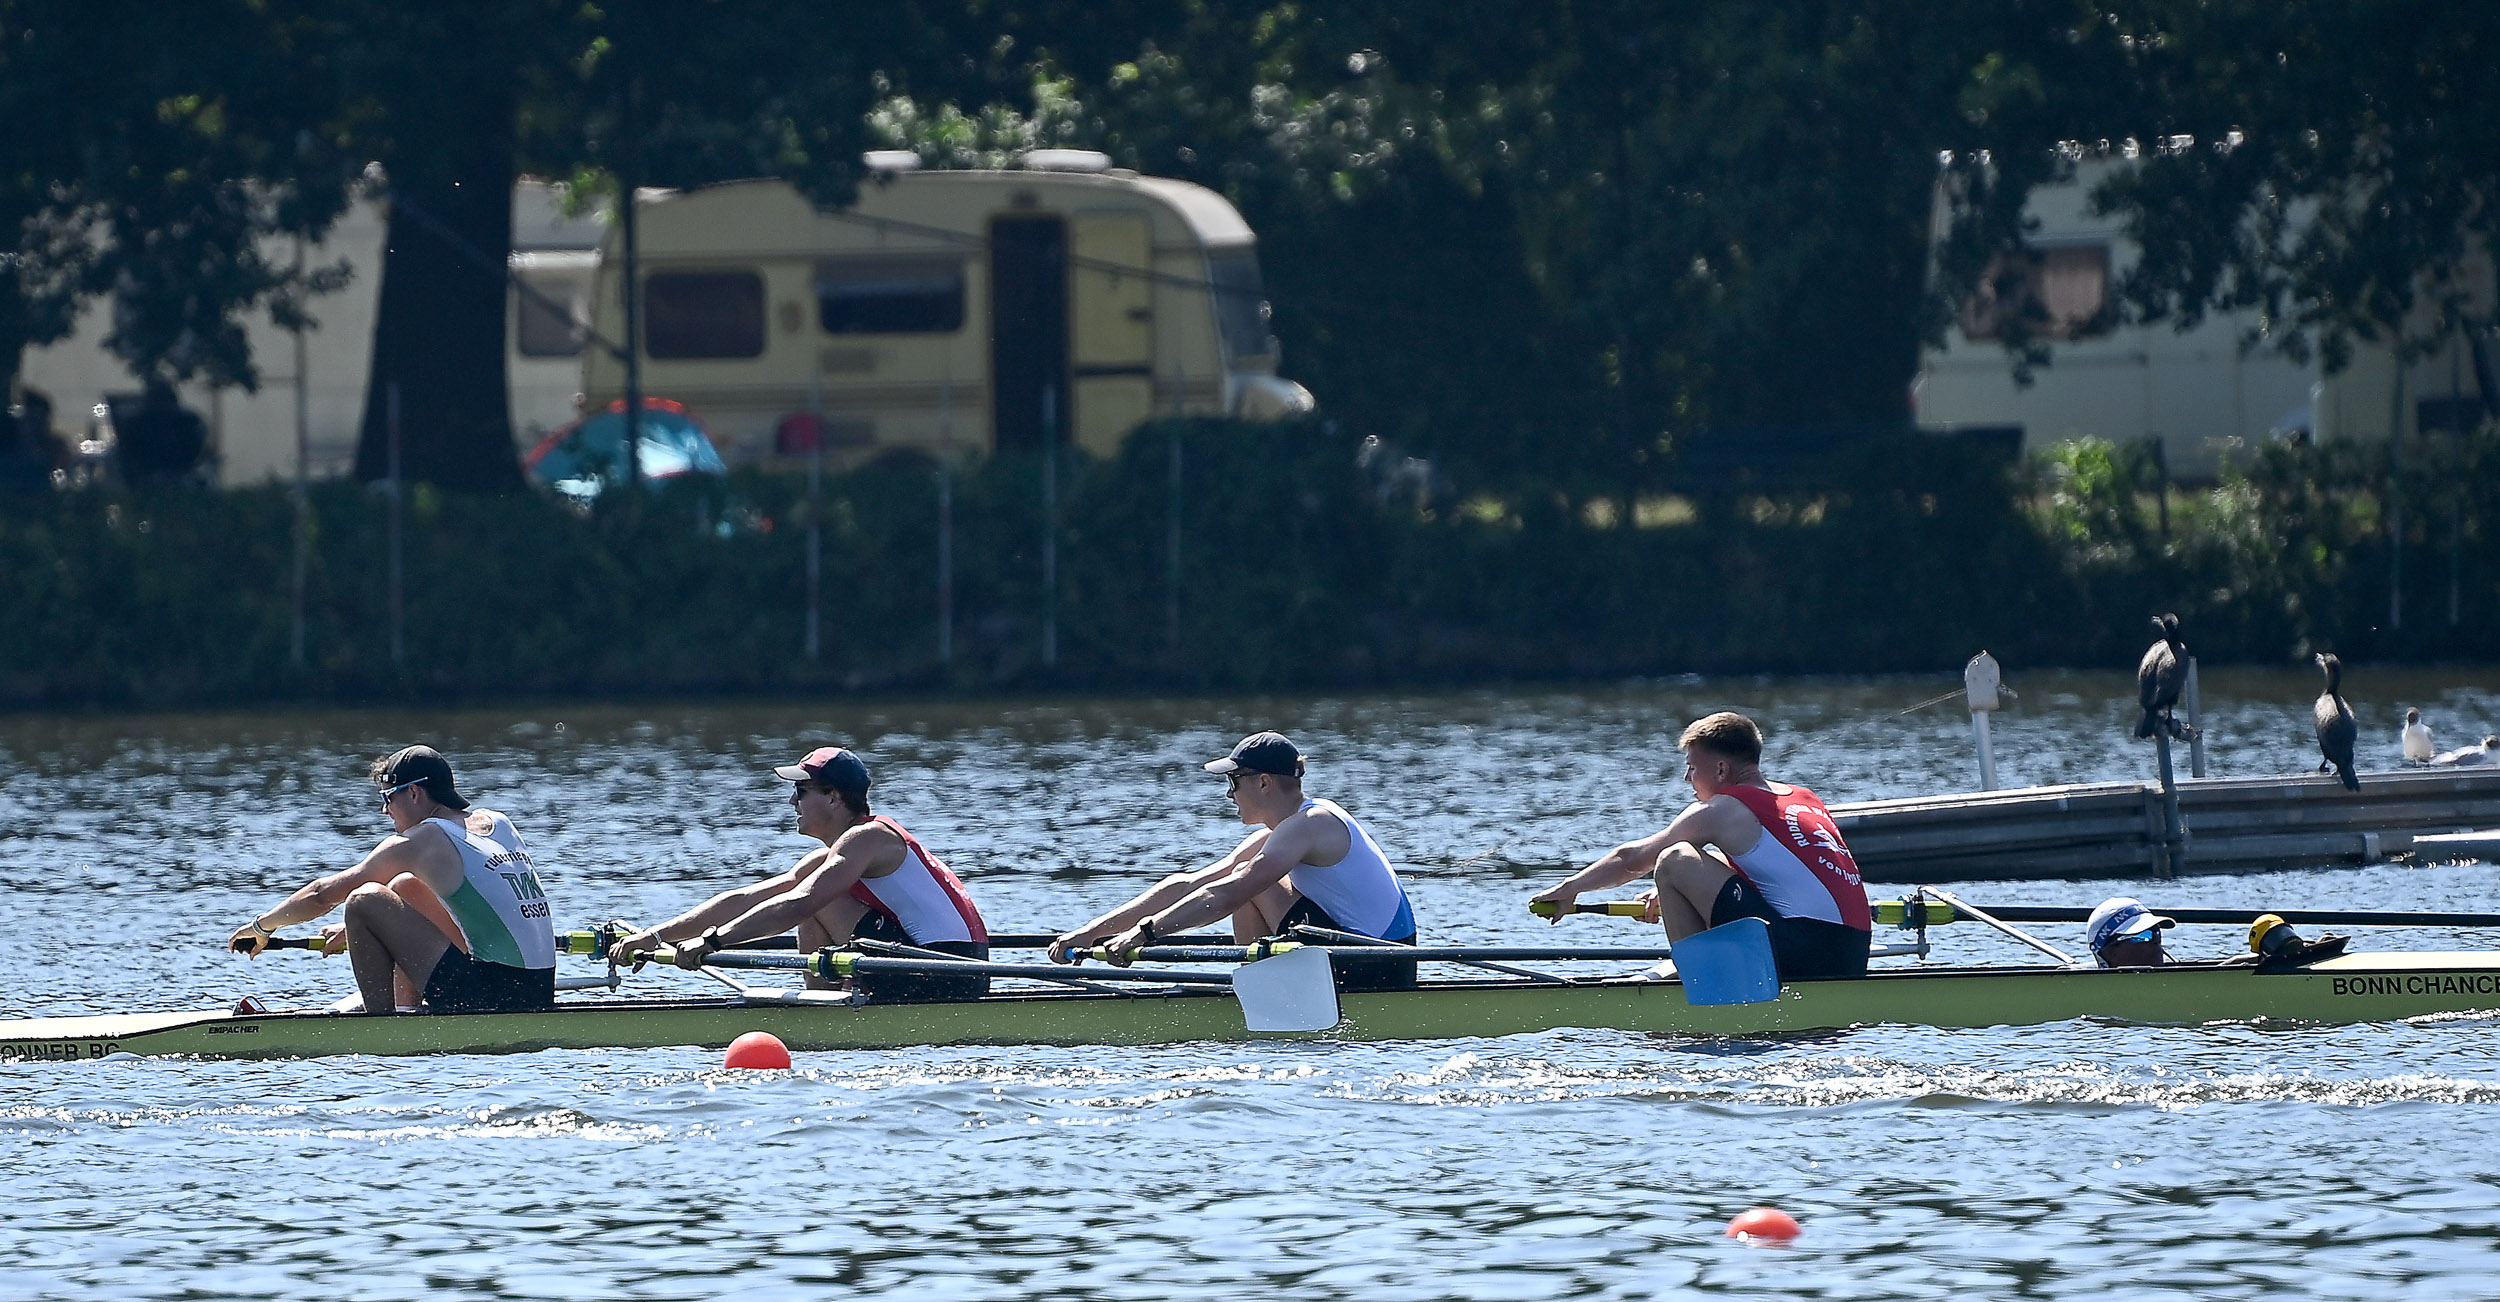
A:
(2417, 739)
(2158, 679)
(2336, 728)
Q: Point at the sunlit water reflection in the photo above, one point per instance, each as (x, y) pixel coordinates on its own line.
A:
(2069, 1160)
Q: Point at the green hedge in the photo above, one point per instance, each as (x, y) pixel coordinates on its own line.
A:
(1300, 566)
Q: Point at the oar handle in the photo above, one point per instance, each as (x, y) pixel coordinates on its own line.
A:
(1611, 909)
(312, 943)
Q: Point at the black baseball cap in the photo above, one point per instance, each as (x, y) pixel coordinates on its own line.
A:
(424, 766)
(833, 766)
(1265, 752)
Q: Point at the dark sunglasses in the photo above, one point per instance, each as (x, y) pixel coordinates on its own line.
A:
(1233, 780)
(388, 792)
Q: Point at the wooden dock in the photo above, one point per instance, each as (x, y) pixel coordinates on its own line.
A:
(2114, 829)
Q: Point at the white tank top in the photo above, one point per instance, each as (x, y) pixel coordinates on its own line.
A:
(927, 901)
(499, 905)
(1361, 891)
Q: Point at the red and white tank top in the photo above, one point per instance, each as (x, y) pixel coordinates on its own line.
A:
(1799, 864)
(922, 897)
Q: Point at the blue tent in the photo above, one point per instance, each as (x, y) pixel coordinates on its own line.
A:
(583, 458)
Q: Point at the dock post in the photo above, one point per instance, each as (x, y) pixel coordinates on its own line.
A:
(1980, 684)
(2166, 859)
(2196, 722)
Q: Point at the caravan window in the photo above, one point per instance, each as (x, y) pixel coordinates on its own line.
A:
(548, 323)
(890, 296)
(2067, 287)
(699, 314)
(1240, 302)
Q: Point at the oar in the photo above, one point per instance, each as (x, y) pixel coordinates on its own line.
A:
(2017, 933)
(1611, 909)
(594, 942)
(1292, 992)
(1331, 936)
(888, 949)
(1396, 953)
(1889, 912)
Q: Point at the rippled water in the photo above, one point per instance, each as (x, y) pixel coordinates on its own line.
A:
(2069, 1160)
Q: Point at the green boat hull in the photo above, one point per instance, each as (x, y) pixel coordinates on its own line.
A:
(2354, 988)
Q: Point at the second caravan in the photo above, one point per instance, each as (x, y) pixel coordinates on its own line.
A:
(946, 311)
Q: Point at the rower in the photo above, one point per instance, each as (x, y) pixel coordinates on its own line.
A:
(869, 879)
(1309, 864)
(2123, 933)
(1751, 848)
(449, 902)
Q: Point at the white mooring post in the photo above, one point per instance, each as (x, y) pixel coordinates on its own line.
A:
(1980, 683)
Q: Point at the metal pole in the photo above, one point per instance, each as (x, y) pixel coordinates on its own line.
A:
(946, 517)
(2196, 721)
(633, 336)
(2161, 487)
(303, 474)
(1987, 752)
(1050, 527)
(815, 513)
(2173, 849)
(2395, 501)
(399, 648)
(1172, 559)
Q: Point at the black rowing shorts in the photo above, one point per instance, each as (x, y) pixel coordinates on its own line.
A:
(915, 987)
(1802, 948)
(1354, 974)
(462, 984)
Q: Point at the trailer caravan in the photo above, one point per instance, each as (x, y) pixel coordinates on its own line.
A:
(945, 312)
(2202, 391)
(2197, 391)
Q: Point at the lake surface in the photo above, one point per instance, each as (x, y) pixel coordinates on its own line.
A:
(2069, 1160)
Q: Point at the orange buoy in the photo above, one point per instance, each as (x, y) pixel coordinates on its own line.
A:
(764, 1050)
(1764, 1225)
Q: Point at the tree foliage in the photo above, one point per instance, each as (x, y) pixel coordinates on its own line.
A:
(2332, 166)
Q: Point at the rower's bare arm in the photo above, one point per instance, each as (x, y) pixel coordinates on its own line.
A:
(1155, 899)
(728, 906)
(864, 851)
(1223, 895)
(1633, 860)
(394, 855)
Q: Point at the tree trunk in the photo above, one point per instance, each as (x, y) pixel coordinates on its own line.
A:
(440, 329)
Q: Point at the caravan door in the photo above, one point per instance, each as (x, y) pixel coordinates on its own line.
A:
(1114, 345)
(1028, 331)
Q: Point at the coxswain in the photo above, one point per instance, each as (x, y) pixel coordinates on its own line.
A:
(449, 903)
(1308, 864)
(1749, 848)
(2123, 933)
(868, 879)
(2336, 727)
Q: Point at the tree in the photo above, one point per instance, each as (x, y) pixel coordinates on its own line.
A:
(152, 154)
(2332, 165)
(460, 99)
(1722, 212)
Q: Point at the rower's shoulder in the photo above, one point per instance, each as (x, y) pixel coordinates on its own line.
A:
(870, 836)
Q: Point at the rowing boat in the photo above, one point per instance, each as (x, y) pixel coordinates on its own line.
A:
(2355, 987)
